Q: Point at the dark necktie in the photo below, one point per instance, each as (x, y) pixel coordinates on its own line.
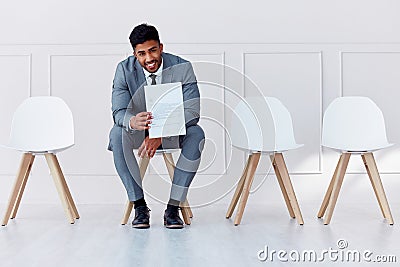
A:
(153, 79)
(153, 82)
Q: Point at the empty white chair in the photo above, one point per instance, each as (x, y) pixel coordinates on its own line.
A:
(41, 126)
(354, 125)
(263, 125)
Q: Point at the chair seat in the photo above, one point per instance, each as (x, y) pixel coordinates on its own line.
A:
(263, 151)
(358, 150)
(36, 151)
(167, 150)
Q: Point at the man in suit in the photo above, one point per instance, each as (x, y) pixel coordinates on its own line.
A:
(150, 65)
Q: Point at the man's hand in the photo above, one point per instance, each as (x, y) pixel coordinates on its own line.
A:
(149, 147)
(141, 121)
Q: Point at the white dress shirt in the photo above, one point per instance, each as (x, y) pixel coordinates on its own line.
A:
(158, 74)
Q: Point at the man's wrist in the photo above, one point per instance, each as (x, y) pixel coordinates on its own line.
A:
(131, 123)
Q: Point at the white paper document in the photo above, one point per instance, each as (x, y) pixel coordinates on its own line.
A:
(165, 102)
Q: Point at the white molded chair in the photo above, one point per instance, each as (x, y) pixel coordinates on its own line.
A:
(263, 125)
(354, 125)
(169, 163)
(41, 126)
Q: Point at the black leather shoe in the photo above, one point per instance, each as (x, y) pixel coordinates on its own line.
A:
(172, 219)
(142, 218)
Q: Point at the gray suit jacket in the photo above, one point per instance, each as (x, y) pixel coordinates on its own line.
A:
(128, 93)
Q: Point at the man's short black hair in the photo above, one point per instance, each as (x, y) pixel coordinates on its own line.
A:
(143, 33)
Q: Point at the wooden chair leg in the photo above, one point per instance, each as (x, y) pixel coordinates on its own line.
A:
(22, 189)
(190, 210)
(71, 202)
(373, 184)
(377, 184)
(328, 193)
(239, 190)
(185, 210)
(186, 215)
(186, 204)
(343, 161)
(281, 185)
(64, 184)
(57, 177)
(24, 166)
(143, 164)
(128, 210)
(247, 185)
(287, 183)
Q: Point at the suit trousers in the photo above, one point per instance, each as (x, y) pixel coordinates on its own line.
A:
(122, 144)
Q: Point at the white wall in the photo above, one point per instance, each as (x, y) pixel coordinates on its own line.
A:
(304, 52)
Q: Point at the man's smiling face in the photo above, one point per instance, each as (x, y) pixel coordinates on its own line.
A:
(149, 55)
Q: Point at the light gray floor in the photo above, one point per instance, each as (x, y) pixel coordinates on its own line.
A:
(41, 236)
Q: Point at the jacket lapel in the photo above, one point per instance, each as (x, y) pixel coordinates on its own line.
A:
(167, 73)
(138, 87)
(139, 74)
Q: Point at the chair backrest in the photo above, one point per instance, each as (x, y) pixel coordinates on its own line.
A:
(42, 124)
(354, 124)
(262, 124)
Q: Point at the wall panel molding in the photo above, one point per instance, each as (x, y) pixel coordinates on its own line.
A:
(273, 52)
(387, 57)
(29, 56)
(16, 86)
